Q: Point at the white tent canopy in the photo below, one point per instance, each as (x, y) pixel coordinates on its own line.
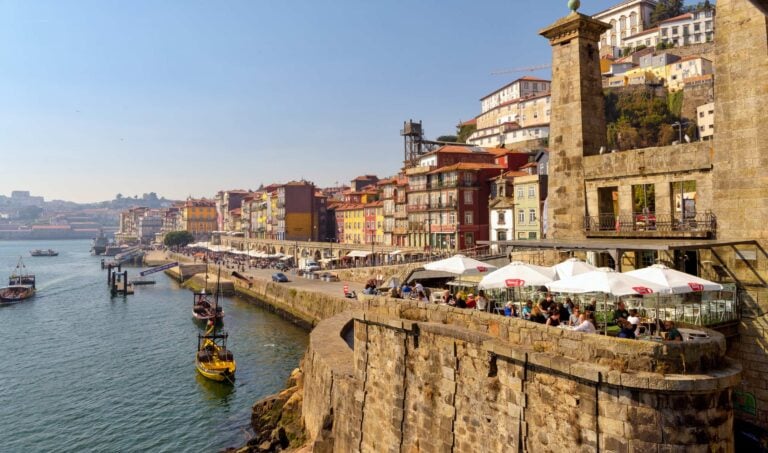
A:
(460, 265)
(358, 254)
(609, 282)
(516, 274)
(677, 282)
(571, 267)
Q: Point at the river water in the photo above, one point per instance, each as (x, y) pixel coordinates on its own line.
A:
(85, 372)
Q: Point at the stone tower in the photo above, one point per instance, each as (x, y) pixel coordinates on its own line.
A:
(578, 119)
(740, 160)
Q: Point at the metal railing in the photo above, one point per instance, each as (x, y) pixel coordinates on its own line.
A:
(700, 222)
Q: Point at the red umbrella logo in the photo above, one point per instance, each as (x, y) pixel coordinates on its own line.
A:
(482, 269)
(696, 286)
(514, 282)
(642, 290)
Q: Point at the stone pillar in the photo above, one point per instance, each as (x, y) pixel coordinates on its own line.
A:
(740, 180)
(578, 120)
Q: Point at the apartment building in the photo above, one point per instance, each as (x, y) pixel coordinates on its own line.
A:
(705, 120)
(627, 18)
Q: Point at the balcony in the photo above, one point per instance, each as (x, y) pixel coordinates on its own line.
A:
(651, 225)
(417, 207)
(416, 227)
(445, 228)
(450, 204)
(400, 230)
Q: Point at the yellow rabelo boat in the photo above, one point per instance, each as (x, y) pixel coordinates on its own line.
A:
(214, 360)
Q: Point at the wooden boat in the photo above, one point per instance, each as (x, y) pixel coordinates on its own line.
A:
(21, 285)
(213, 360)
(204, 310)
(46, 252)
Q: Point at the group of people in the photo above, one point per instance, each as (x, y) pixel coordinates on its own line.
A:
(555, 314)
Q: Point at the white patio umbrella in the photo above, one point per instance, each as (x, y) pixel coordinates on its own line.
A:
(608, 282)
(675, 281)
(517, 274)
(460, 265)
(571, 267)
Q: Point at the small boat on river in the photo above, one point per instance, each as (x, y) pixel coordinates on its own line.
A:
(44, 252)
(204, 310)
(21, 285)
(213, 360)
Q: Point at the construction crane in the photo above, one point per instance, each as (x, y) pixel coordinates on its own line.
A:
(523, 69)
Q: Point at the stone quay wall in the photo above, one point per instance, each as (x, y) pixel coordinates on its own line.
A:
(431, 378)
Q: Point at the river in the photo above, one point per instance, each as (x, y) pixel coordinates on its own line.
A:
(86, 372)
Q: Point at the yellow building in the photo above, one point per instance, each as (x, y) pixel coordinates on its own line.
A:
(528, 207)
(199, 217)
(353, 215)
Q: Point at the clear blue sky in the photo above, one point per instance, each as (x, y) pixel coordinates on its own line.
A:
(188, 97)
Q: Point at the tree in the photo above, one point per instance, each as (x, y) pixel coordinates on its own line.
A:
(178, 238)
(464, 131)
(665, 9)
(447, 138)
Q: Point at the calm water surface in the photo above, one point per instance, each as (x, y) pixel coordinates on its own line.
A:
(86, 372)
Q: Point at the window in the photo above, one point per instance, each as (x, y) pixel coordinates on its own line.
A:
(519, 192)
(501, 236)
(468, 218)
(531, 235)
(532, 215)
(531, 191)
(468, 197)
(520, 217)
(674, 30)
(701, 114)
(502, 220)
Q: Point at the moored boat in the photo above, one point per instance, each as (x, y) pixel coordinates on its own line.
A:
(204, 310)
(21, 285)
(44, 252)
(213, 360)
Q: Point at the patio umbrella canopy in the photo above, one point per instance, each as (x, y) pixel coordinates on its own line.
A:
(517, 274)
(460, 265)
(614, 283)
(571, 267)
(675, 281)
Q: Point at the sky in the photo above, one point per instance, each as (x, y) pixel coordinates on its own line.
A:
(185, 98)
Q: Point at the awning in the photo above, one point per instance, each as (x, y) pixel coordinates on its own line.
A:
(358, 254)
(396, 252)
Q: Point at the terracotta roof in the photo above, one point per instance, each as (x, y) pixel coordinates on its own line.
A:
(524, 79)
(374, 204)
(677, 18)
(529, 165)
(512, 174)
(469, 122)
(349, 206)
(455, 149)
(365, 177)
(466, 166)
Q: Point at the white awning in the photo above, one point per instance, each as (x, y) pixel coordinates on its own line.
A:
(396, 252)
(358, 254)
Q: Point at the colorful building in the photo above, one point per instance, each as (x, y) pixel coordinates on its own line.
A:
(199, 217)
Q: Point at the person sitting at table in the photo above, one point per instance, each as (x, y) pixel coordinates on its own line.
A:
(591, 305)
(537, 316)
(527, 309)
(546, 303)
(568, 306)
(672, 333)
(509, 309)
(421, 297)
(481, 301)
(405, 291)
(627, 330)
(461, 295)
(471, 302)
(573, 320)
(564, 312)
(554, 319)
(450, 300)
(394, 293)
(634, 319)
(621, 313)
(586, 324)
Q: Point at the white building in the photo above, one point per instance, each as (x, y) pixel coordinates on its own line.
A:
(689, 28)
(647, 38)
(520, 88)
(705, 119)
(517, 120)
(628, 18)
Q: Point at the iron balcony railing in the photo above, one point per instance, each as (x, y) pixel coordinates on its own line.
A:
(704, 222)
